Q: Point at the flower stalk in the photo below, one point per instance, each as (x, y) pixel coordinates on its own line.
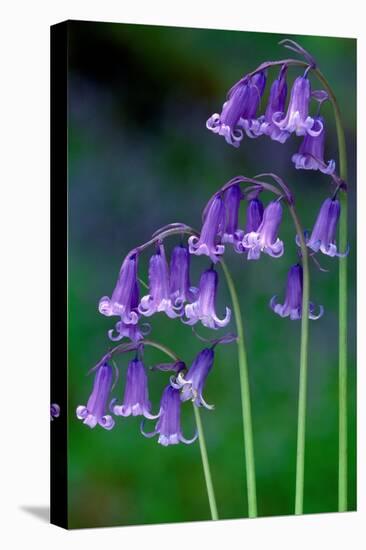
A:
(301, 419)
(245, 397)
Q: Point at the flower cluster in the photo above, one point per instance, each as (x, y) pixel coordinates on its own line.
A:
(239, 117)
(169, 291)
(185, 384)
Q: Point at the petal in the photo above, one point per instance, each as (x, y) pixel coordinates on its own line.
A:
(81, 412)
(188, 441)
(147, 434)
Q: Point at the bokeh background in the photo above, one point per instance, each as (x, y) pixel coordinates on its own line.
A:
(140, 157)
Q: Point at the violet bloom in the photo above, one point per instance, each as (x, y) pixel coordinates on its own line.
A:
(54, 410)
(181, 290)
(122, 302)
(324, 232)
(297, 118)
(292, 306)
(265, 238)
(311, 152)
(168, 426)
(95, 411)
(276, 104)
(239, 110)
(158, 298)
(193, 381)
(136, 399)
(232, 199)
(208, 243)
(204, 308)
(124, 330)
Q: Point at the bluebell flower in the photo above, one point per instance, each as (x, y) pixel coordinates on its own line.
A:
(239, 111)
(159, 298)
(324, 232)
(204, 308)
(276, 104)
(168, 426)
(191, 384)
(254, 216)
(232, 199)
(136, 398)
(122, 301)
(209, 241)
(54, 410)
(134, 333)
(297, 118)
(181, 290)
(95, 411)
(265, 238)
(292, 306)
(311, 151)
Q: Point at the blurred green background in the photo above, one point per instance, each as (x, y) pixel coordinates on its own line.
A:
(140, 157)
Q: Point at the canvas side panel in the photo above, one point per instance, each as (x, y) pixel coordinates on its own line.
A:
(59, 216)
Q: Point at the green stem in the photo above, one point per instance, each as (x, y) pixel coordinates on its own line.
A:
(205, 464)
(245, 397)
(301, 419)
(201, 437)
(342, 297)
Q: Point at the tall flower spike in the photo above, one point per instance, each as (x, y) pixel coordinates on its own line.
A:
(208, 243)
(232, 198)
(168, 426)
(297, 118)
(239, 110)
(136, 399)
(191, 384)
(181, 290)
(122, 301)
(158, 298)
(265, 238)
(276, 104)
(311, 151)
(292, 307)
(204, 309)
(324, 232)
(95, 411)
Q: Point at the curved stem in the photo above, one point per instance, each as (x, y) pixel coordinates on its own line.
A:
(245, 397)
(301, 419)
(201, 437)
(205, 464)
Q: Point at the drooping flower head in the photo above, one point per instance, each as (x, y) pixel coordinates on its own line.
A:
(292, 306)
(191, 384)
(54, 410)
(324, 232)
(311, 151)
(168, 426)
(181, 290)
(204, 308)
(158, 298)
(276, 104)
(208, 243)
(297, 118)
(265, 238)
(136, 398)
(95, 411)
(123, 300)
(239, 110)
(232, 198)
